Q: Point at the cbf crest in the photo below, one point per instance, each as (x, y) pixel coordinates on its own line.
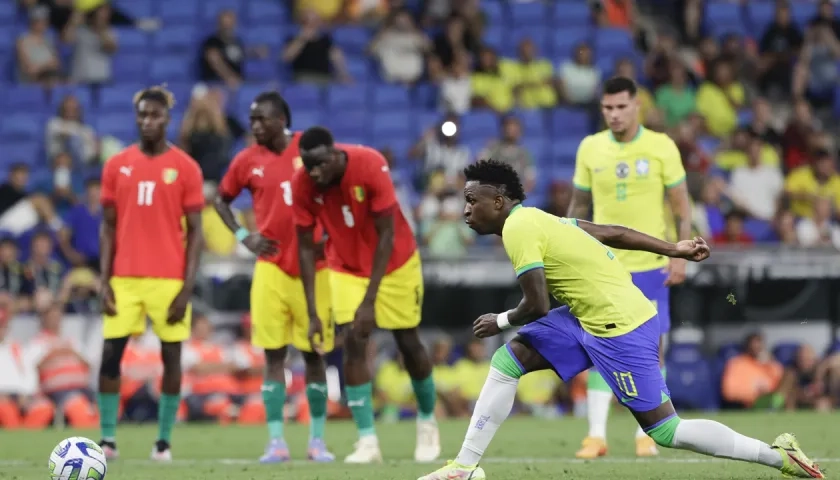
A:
(169, 175)
(642, 167)
(622, 170)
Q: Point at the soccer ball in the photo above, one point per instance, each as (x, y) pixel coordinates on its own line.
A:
(77, 458)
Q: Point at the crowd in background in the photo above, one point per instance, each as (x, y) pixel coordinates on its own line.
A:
(753, 116)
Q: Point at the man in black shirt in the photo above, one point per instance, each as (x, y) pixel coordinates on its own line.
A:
(223, 54)
(14, 190)
(13, 280)
(779, 46)
(313, 55)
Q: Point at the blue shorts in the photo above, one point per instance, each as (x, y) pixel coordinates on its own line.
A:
(629, 363)
(652, 284)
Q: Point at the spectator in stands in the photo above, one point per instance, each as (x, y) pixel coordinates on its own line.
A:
(815, 73)
(366, 12)
(141, 371)
(442, 225)
(709, 53)
(446, 379)
(45, 220)
(43, 271)
(778, 46)
(662, 59)
(328, 11)
(741, 54)
(719, 98)
(94, 45)
(615, 13)
(209, 370)
(454, 38)
(757, 188)
(436, 12)
(205, 134)
(733, 230)
(751, 379)
(223, 54)
(579, 79)
(559, 197)
(762, 122)
(819, 179)
(78, 239)
(456, 85)
(394, 386)
(250, 365)
(13, 281)
(441, 153)
(65, 186)
(508, 148)
(67, 133)
(13, 190)
(733, 151)
(470, 370)
(825, 16)
(648, 115)
(707, 213)
(37, 56)
(21, 405)
(489, 87)
(676, 98)
(532, 77)
(403, 189)
(796, 135)
(821, 230)
(803, 383)
(695, 159)
(400, 48)
(785, 227)
(540, 393)
(63, 370)
(313, 55)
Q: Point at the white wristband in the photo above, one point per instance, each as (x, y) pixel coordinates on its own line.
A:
(502, 321)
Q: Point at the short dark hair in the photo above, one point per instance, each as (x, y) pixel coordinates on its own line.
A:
(315, 137)
(92, 182)
(620, 84)
(158, 93)
(18, 167)
(499, 174)
(279, 104)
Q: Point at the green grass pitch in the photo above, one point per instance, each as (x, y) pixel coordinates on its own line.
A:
(523, 448)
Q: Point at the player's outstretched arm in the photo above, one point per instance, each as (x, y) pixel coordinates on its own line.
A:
(616, 236)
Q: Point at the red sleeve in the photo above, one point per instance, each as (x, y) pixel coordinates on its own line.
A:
(235, 178)
(303, 204)
(193, 198)
(108, 190)
(383, 196)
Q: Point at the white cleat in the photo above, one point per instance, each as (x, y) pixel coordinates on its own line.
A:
(456, 471)
(367, 451)
(428, 441)
(161, 456)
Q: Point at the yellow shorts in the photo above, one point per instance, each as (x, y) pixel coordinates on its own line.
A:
(398, 303)
(139, 298)
(279, 316)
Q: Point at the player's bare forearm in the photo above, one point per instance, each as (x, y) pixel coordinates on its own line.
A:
(382, 254)
(580, 205)
(222, 205)
(306, 259)
(195, 244)
(681, 208)
(623, 238)
(107, 233)
(535, 302)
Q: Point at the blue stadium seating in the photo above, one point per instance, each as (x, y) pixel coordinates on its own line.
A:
(689, 385)
(785, 353)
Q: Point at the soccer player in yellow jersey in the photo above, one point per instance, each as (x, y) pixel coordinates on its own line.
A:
(626, 172)
(606, 322)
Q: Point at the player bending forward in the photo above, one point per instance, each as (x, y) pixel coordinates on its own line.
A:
(278, 305)
(375, 278)
(607, 323)
(146, 270)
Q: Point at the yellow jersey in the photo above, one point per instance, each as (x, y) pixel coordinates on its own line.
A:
(802, 180)
(628, 182)
(580, 271)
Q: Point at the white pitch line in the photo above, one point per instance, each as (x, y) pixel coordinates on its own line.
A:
(502, 460)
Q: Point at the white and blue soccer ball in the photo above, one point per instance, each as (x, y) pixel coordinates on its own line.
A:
(77, 458)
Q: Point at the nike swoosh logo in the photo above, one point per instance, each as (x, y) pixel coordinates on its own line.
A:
(626, 400)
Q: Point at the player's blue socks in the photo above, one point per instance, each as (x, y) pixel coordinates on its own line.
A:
(274, 399)
(426, 395)
(167, 412)
(360, 401)
(596, 382)
(109, 408)
(316, 395)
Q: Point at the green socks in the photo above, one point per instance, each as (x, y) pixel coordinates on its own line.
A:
(596, 382)
(274, 399)
(109, 408)
(360, 401)
(316, 395)
(426, 395)
(167, 411)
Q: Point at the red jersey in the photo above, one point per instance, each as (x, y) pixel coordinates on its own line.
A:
(268, 176)
(151, 195)
(347, 212)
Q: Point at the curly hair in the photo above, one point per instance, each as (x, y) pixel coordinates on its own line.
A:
(158, 93)
(499, 174)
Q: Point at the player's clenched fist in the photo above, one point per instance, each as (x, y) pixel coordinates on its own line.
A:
(259, 245)
(106, 297)
(486, 326)
(695, 250)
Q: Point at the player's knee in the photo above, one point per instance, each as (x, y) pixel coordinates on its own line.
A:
(112, 352)
(664, 434)
(504, 362)
(170, 354)
(356, 343)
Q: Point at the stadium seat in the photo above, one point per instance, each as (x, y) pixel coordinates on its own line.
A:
(684, 353)
(572, 13)
(265, 12)
(351, 125)
(536, 146)
(387, 124)
(173, 39)
(566, 40)
(722, 13)
(346, 97)
(136, 8)
(531, 13)
(269, 35)
(613, 41)
(22, 127)
(120, 125)
(210, 9)
(494, 13)
(480, 123)
(571, 122)
(25, 98)
(785, 353)
(533, 122)
(118, 97)
(169, 68)
(304, 119)
(725, 352)
(359, 68)
(690, 385)
(802, 12)
(82, 94)
(131, 40)
(833, 348)
(8, 13)
(386, 97)
(21, 152)
(760, 15)
(425, 121)
(352, 40)
(183, 12)
(260, 70)
(495, 37)
(303, 96)
(130, 67)
(538, 35)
